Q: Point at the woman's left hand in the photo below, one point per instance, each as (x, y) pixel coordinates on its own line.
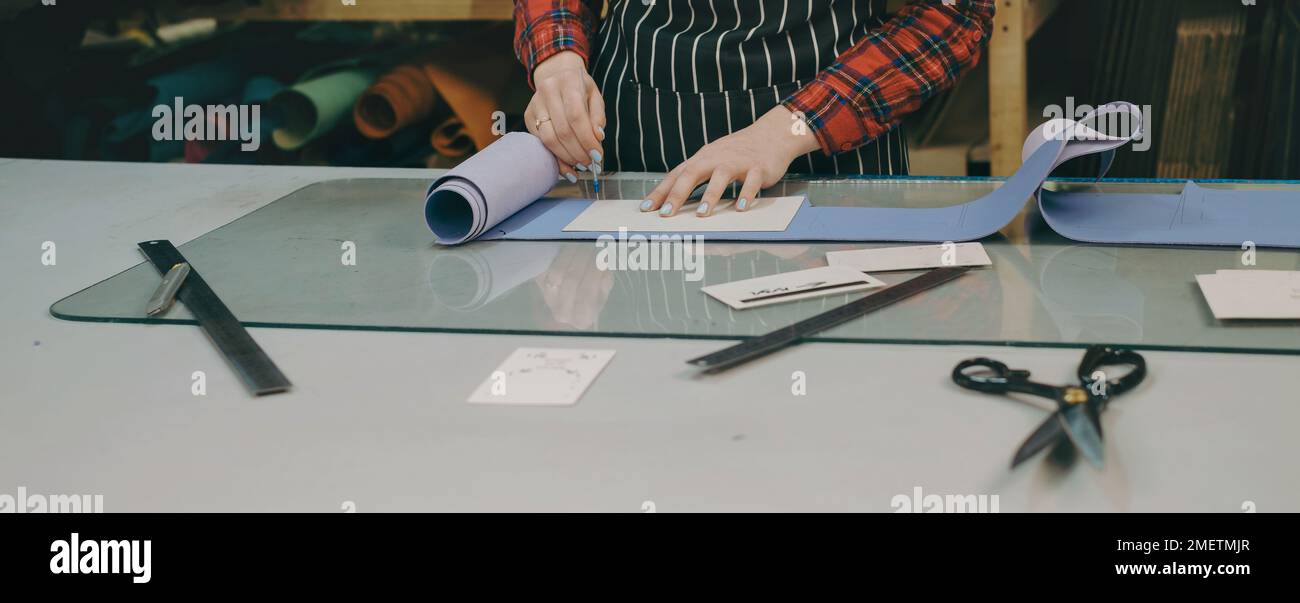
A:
(757, 156)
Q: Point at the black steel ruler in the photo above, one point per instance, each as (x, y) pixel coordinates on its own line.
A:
(793, 334)
(249, 361)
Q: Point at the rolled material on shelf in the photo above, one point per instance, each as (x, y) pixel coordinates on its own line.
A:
(496, 195)
(474, 95)
(208, 82)
(467, 90)
(312, 108)
(493, 185)
(450, 139)
(402, 97)
(258, 90)
(478, 86)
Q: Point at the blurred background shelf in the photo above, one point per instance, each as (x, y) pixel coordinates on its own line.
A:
(1189, 62)
(361, 10)
(316, 10)
(952, 144)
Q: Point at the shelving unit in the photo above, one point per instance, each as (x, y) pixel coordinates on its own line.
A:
(1015, 24)
(361, 10)
(320, 10)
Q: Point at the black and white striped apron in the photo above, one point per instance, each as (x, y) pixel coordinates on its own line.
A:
(678, 74)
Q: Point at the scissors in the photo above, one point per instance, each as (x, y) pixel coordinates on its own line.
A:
(1078, 408)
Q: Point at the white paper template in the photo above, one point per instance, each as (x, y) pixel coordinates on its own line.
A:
(767, 215)
(791, 286)
(542, 377)
(1252, 294)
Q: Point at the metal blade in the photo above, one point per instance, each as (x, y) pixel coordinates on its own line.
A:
(1048, 433)
(1083, 433)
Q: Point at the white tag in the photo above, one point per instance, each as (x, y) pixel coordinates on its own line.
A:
(1252, 294)
(791, 286)
(924, 257)
(766, 215)
(542, 377)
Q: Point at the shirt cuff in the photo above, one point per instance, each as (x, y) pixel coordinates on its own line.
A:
(552, 34)
(837, 121)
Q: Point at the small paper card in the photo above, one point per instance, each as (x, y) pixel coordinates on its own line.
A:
(1252, 294)
(767, 215)
(791, 286)
(542, 377)
(888, 259)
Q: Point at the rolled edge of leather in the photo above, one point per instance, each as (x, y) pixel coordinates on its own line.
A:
(401, 97)
(450, 139)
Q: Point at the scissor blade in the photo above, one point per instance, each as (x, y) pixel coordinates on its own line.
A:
(1083, 433)
(1047, 434)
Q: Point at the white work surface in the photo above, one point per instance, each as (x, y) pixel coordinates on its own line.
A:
(381, 419)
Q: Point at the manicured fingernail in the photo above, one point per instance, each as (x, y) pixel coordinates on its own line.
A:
(646, 205)
(571, 177)
(595, 168)
(601, 131)
(666, 210)
(581, 168)
(595, 155)
(702, 209)
(741, 205)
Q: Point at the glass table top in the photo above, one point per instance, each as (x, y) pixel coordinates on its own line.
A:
(284, 266)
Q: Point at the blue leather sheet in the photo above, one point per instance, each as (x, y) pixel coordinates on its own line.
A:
(1198, 216)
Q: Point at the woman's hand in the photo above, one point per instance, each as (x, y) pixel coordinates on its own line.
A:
(757, 156)
(568, 113)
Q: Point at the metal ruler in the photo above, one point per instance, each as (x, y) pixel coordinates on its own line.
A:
(249, 361)
(787, 336)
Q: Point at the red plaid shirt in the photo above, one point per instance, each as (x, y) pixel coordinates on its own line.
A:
(918, 53)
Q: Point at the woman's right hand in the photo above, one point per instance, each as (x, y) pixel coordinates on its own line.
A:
(568, 113)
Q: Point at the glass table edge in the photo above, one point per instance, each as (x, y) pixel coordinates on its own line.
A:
(689, 337)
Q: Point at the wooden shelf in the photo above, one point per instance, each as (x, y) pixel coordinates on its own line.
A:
(1015, 23)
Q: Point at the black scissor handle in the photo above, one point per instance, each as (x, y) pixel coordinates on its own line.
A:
(1000, 381)
(1100, 358)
